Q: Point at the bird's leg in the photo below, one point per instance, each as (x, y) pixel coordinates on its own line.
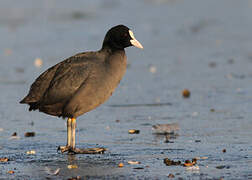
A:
(70, 147)
(69, 137)
(69, 132)
(73, 127)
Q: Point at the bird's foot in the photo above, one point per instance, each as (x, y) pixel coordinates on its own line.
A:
(87, 151)
(70, 150)
(63, 149)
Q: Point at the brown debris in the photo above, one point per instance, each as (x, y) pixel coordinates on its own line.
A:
(134, 162)
(134, 131)
(29, 134)
(189, 163)
(72, 166)
(120, 165)
(224, 150)
(212, 64)
(171, 175)
(166, 128)
(75, 178)
(10, 172)
(4, 159)
(186, 93)
(169, 162)
(14, 134)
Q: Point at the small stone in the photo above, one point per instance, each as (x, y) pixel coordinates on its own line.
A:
(194, 114)
(166, 128)
(230, 61)
(11, 172)
(134, 162)
(134, 131)
(38, 62)
(29, 134)
(186, 93)
(212, 110)
(197, 141)
(224, 150)
(5, 159)
(72, 166)
(169, 162)
(152, 69)
(171, 175)
(120, 165)
(193, 168)
(14, 134)
(212, 64)
(7, 52)
(31, 152)
(117, 121)
(75, 178)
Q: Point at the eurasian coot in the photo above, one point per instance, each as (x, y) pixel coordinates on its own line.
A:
(82, 82)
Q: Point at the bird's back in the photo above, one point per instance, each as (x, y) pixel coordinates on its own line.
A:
(77, 85)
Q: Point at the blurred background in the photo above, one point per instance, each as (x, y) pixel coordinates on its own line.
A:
(202, 46)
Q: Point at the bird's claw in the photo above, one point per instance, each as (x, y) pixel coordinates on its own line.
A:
(81, 151)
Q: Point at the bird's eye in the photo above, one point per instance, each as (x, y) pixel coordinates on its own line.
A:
(125, 34)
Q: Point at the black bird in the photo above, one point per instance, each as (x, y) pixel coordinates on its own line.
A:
(82, 82)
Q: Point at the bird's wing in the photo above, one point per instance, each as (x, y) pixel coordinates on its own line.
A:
(42, 83)
(66, 81)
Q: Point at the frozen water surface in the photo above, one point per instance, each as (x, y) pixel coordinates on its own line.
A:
(204, 46)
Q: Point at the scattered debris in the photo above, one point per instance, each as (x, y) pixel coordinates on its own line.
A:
(78, 15)
(152, 69)
(117, 120)
(11, 172)
(138, 168)
(72, 166)
(4, 159)
(29, 134)
(169, 162)
(14, 134)
(134, 131)
(166, 128)
(212, 110)
(222, 167)
(7, 52)
(186, 93)
(171, 175)
(189, 163)
(212, 64)
(167, 140)
(120, 165)
(194, 114)
(50, 172)
(134, 162)
(198, 158)
(231, 61)
(193, 168)
(38, 62)
(197, 141)
(31, 152)
(224, 150)
(75, 178)
(19, 70)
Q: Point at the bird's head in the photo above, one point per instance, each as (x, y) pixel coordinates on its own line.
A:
(120, 37)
